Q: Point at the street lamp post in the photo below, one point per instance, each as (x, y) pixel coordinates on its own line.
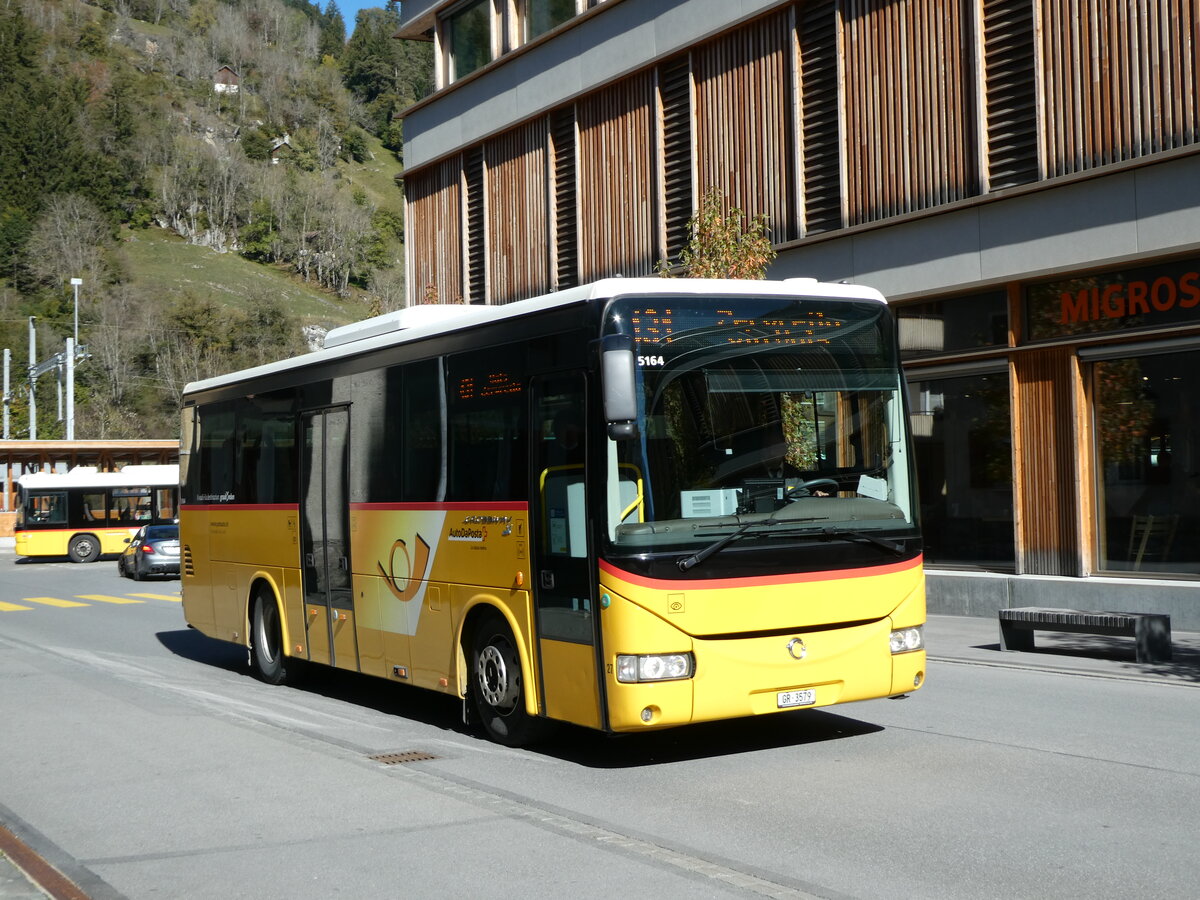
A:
(75, 283)
(72, 349)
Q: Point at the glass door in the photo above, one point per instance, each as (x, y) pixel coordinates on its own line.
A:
(564, 583)
(325, 544)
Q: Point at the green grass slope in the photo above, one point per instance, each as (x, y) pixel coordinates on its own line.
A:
(160, 263)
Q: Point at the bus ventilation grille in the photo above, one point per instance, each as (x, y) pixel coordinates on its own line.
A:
(189, 567)
(395, 759)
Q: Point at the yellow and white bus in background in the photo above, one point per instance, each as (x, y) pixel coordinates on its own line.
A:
(83, 513)
(631, 505)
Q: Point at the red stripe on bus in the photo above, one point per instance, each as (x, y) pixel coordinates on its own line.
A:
(241, 507)
(89, 527)
(759, 581)
(509, 506)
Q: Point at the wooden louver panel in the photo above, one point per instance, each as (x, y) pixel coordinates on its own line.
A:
(1121, 80)
(565, 198)
(1010, 93)
(744, 121)
(434, 231)
(476, 233)
(675, 97)
(616, 180)
(1046, 480)
(821, 144)
(910, 121)
(517, 225)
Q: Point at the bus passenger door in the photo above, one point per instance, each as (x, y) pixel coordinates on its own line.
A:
(325, 538)
(563, 584)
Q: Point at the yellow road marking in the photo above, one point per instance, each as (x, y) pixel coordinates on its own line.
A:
(175, 597)
(11, 607)
(52, 601)
(105, 598)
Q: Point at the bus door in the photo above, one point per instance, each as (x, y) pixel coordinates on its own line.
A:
(325, 538)
(564, 579)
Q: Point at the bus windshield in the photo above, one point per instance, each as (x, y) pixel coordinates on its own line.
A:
(760, 419)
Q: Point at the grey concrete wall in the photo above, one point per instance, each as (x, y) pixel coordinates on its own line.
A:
(1108, 220)
(621, 39)
(983, 593)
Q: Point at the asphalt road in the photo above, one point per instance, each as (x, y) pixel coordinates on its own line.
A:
(143, 761)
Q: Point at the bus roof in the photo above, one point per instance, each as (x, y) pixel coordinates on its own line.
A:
(90, 476)
(417, 322)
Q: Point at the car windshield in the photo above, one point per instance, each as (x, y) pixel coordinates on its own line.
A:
(763, 416)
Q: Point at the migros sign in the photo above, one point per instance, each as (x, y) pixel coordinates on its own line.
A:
(1110, 301)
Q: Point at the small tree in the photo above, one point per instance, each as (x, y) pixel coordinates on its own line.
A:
(724, 243)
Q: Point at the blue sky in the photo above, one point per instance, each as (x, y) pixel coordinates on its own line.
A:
(350, 10)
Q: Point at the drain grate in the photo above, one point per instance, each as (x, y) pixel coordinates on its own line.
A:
(408, 756)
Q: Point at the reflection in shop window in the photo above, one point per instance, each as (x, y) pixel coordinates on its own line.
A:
(962, 442)
(1148, 464)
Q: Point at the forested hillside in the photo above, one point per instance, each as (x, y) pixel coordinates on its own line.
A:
(221, 174)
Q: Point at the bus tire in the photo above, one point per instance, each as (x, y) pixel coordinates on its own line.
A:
(266, 639)
(497, 686)
(84, 548)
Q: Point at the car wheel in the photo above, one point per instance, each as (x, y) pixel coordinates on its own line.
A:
(84, 548)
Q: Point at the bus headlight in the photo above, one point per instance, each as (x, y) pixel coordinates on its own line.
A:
(908, 639)
(655, 667)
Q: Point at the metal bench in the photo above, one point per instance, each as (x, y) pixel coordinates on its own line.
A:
(1151, 631)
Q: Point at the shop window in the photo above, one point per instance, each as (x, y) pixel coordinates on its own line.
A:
(954, 325)
(467, 37)
(963, 448)
(1147, 429)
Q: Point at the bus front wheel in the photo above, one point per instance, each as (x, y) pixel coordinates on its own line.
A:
(497, 687)
(84, 548)
(267, 641)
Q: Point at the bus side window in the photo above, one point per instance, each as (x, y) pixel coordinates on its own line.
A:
(487, 426)
(94, 508)
(47, 509)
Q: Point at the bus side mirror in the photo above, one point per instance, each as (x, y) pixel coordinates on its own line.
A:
(619, 382)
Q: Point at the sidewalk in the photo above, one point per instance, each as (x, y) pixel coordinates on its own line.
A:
(976, 641)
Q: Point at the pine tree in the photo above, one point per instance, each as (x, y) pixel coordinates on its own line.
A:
(333, 31)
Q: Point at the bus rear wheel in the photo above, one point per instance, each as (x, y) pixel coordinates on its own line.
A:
(497, 686)
(266, 638)
(84, 548)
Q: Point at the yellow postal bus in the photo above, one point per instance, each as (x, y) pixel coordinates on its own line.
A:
(84, 512)
(631, 505)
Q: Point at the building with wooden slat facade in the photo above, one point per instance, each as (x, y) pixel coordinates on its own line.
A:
(1020, 177)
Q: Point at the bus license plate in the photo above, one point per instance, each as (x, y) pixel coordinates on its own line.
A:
(787, 699)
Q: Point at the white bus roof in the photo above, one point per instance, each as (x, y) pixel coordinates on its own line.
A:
(90, 476)
(417, 322)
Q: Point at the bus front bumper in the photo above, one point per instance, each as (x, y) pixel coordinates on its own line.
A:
(738, 677)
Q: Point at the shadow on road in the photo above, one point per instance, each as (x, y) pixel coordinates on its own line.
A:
(704, 741)
(569, 743)
(390, 698)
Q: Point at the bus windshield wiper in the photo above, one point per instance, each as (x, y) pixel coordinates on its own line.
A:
(701, 555)
(829, 534)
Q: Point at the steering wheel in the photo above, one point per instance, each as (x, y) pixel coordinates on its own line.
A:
(804, 488)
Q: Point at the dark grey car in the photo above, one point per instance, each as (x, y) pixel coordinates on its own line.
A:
(154, 550)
